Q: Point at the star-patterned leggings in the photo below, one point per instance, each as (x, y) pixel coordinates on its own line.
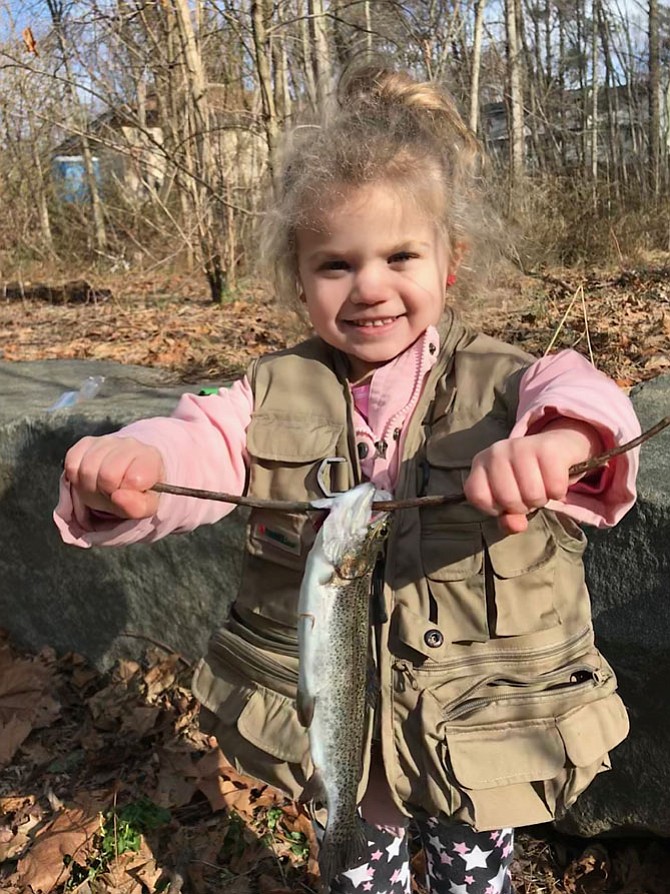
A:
(458, 861)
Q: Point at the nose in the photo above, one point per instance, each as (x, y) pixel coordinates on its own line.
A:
(371, 285)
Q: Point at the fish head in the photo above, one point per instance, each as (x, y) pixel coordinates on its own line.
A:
(351, 534)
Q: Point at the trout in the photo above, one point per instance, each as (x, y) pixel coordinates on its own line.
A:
(333, 640)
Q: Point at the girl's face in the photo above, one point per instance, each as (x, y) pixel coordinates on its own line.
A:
(373, 276)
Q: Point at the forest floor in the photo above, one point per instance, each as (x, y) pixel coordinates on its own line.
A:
(107, 786)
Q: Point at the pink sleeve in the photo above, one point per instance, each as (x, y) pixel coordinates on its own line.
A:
(566, 384)
(203, 446)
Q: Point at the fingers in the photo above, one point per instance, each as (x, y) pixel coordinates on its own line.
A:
(113, 474)
(514, 477)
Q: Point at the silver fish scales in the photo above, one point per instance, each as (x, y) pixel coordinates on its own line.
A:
(333, 638)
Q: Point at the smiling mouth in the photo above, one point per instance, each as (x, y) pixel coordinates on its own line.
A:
(372, 324)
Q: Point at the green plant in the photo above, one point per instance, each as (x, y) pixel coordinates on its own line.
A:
(273, 816)
(299, 845)
(121, 831)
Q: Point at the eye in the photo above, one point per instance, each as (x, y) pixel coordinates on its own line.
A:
(334, 265)
(401, 257)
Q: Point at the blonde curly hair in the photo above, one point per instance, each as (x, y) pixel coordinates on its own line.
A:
(381, 126)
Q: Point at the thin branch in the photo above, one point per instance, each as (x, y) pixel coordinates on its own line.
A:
(392, 505)
(159, 644)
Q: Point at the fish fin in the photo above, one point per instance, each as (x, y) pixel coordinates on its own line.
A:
(336, 858)
(305, 706)
(314, 790)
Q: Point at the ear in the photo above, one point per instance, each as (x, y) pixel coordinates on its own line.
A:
(456, 255)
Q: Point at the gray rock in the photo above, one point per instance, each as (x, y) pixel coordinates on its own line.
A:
(174, 591)
(628, 570)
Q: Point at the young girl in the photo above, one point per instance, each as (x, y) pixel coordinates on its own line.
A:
(493, 706)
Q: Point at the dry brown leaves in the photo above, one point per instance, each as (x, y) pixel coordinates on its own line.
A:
(621, 320)
(168, 324)
(129, 741)
(26, 699)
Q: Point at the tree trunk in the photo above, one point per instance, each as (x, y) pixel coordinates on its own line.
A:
(79, 115)
(654, 98)
(261, 10)
(515, 94)
(594, 105)
(204, 181)
(476, 65)
(319, 50)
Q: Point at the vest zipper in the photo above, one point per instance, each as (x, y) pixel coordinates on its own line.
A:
(595, 679)
(259, 668)
(404, 674)
(527, 655)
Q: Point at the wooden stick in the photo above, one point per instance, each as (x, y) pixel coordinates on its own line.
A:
(392, 505)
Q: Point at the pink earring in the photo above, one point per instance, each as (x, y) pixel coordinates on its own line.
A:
(451, 279)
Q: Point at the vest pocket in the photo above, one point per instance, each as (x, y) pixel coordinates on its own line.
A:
(486, 584)
(453, 562)
(512, 752)
(256, 725)
(520, 572)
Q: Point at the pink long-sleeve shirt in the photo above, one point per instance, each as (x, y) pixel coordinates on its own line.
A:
(203, 444)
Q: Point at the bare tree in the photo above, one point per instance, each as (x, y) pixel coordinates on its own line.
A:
(654, 93)
(480, 5)
(56, 10)
(515, 94)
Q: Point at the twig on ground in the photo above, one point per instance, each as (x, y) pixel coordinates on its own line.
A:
(157, 642)
(562, 321)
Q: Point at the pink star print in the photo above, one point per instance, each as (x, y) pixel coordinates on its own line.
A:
(469, 879)
(494, 836)
(396, 876)
(490, 890)
(377, 855)
(445, 858)
(507, 850)
(461, 848)
(367, 886)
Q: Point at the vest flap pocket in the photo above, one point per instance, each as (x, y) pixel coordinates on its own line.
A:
(492, 756)
(592, 730)
(270, 722)
(295, 439)
(517, 554)
(264, 718)
(450, 555)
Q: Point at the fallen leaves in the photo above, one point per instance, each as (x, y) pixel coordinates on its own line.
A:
(26, 700)
(67, 839)
(120, 792)
(622, 320)
(183, 333)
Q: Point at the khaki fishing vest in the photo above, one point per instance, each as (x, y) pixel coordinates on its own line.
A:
(494, 706)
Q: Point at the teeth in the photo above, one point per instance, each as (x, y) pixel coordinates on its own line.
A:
(366, 323)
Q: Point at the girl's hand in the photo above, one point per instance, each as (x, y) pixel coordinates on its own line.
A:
(113, 474)
(515, 476)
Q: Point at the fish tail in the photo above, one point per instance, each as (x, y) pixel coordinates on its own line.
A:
(347, 852)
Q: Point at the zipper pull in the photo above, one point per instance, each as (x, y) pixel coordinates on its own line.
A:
(404, 674)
